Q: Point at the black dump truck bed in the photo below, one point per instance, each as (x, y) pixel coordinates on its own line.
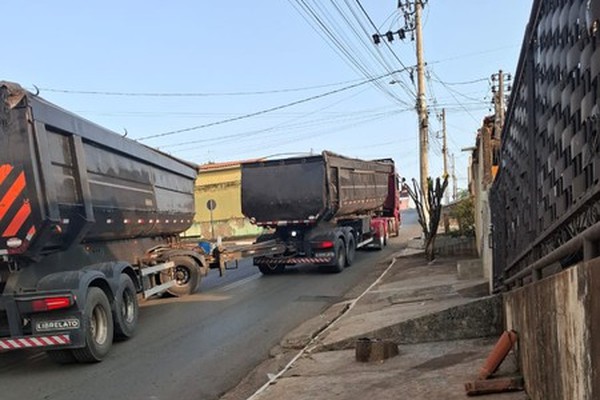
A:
(65, 180)
(312, 188)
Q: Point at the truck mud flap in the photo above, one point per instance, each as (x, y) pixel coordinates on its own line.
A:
(49, 330)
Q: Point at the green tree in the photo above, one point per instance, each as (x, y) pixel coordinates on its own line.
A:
(464, 213)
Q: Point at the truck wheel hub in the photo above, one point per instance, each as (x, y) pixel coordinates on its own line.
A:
(182, 275)
(98, 325)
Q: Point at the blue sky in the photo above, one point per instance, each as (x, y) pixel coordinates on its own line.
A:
(207, 61)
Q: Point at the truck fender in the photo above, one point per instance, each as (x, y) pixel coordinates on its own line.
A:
(379, 226)
(334, 234)
(330, 234)
(112, 271)
(75, 281)
(199, 258)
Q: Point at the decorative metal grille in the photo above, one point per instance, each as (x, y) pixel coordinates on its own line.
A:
(547, 190)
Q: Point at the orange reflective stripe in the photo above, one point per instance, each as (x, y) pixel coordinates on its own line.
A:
(4, 171)
(18, 220)
(12, 194)
(31, 232)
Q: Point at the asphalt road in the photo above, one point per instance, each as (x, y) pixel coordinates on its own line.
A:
(196, 347)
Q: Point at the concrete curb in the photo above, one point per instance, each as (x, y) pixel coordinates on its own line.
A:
(407, 252)
(475, 319)
(308, 348)
(305, 333)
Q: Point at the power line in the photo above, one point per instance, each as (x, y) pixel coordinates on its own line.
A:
(194, 94)
(339, 45)
(450, 90)
(268, 110)
(474, 54)
(192, 114)
(360, 37)
(376, 55)
(287, 125)
(381, 144)
(276, 133)
(339, 129)
(464, 82)
(481, 100)
(394, 17)
(387, 45)
(334, 42)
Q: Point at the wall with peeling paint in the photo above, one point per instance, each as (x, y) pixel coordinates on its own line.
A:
(558, 323)
(223, 185)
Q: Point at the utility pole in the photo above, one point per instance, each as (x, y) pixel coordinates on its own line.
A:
(499, 104)
(499, 97)
(421, 104)
(445, 150)
(500, 101)
(454, 187)
(412, 10)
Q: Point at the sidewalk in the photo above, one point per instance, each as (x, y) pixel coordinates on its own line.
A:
(443, 326)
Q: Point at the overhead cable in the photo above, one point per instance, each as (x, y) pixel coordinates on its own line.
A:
(193, 94)
(265, 111)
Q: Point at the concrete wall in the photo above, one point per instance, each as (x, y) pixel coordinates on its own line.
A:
(485, 251)
(446, 245)
(483, 222)
(223, 185)
(558, 323)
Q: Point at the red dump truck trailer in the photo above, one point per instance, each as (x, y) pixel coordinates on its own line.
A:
(321, 208)
(88, 220)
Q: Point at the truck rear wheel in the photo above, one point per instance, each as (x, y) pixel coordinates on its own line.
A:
(272, 269)
(126, 309)
(340, 257)
(97, 327)
(186, 275)
(350, 251)
(379, 241)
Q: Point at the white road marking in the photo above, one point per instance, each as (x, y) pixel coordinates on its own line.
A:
(239, 283)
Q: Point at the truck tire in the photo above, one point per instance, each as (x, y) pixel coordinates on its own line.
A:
(350, 250)
(379, 241)
(186, 275)
(126, 308)
(340, 257)
(272, 269)
(97, 327)
(61, 356)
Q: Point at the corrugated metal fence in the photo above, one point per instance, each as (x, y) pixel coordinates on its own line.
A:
(547, 191)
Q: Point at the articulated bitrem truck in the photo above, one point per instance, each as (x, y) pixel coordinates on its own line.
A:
(320, 208)
(88, 220)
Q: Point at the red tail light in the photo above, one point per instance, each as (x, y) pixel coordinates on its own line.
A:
(51, 303)
(326, 244)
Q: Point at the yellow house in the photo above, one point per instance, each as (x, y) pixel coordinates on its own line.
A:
(218, 187)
